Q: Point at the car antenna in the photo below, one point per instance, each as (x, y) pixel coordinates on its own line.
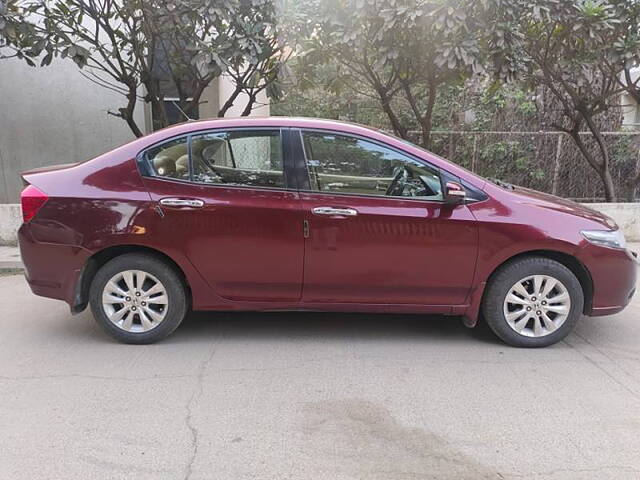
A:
(189, 119)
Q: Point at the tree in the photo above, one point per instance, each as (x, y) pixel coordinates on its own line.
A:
(17, 36)
(403, 53)
(175, 48)
(623, 61)
(564, 47)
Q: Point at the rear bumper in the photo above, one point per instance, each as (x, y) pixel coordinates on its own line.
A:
(51, 270)
(614, 275)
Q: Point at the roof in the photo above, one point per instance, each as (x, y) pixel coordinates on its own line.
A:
(276, 121)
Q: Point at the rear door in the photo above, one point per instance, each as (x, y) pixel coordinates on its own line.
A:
(226, 200)
(378, 230)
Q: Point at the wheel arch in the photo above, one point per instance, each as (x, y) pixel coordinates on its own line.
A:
(569, 261)
(576, 267)
(98, 259)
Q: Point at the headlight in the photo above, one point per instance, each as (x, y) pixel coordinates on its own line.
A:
(606, 238)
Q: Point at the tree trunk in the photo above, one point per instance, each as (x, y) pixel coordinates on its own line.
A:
(127, 112)
(191, 107)
(247, 109)
(602, 168)
(398, 128)
(229, 103)
(133, 125)
(604, 171)
(158, 112)
(427, 121)
(425, 127)
(424, 120)
(607, 181)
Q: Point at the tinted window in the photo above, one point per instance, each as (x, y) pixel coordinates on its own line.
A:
(170, 159)
(238, 158)
(344, 164)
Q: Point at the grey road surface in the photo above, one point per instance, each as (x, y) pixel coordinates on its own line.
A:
(313, 396)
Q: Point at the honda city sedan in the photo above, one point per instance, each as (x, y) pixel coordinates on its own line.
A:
(303, 214)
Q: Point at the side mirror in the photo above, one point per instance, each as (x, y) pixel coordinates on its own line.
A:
(454, 193)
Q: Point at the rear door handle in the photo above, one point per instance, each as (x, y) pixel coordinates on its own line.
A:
(182, 202)
(334, 211)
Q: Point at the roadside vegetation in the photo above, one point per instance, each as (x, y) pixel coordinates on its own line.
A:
(414, 67)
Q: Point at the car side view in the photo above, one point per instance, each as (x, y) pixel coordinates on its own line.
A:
(304, 214)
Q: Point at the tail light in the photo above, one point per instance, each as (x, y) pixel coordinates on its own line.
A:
(32, 200)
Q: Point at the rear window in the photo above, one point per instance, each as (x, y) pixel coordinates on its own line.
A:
(171, 159)
(234, 158)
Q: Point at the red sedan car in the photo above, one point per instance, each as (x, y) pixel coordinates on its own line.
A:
(303, 214)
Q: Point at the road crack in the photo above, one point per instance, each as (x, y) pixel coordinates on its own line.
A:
(188, 419)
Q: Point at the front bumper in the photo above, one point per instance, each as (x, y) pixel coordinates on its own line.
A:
(614, 275)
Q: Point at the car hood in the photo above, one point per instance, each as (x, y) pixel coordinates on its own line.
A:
(551, 202)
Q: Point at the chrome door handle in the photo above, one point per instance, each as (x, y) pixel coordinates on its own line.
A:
(333, 211)
(182, 202)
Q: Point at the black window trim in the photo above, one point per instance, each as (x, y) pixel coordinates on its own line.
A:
(145, 169)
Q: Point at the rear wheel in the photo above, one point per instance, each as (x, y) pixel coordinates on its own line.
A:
(138, 298)
(533, 302)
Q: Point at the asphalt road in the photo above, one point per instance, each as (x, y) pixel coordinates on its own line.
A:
(313, 396)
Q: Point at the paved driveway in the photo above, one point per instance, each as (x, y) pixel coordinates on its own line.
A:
(313, 396)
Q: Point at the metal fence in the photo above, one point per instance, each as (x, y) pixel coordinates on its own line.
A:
(545, 161)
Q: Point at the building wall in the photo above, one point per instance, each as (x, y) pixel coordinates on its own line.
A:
(53, 115)
(630, 108)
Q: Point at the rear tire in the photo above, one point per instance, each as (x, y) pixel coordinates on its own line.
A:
(138, 298)
(533, 302)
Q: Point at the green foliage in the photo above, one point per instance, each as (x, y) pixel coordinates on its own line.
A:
(18, 37)
(416, 58)
(507, 107)
(568, 49)
(402, 53)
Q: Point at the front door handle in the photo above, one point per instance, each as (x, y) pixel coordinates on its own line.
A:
(334, 211)
(182, 202)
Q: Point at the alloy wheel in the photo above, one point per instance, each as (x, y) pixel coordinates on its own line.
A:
(537, 305)
(135, 301)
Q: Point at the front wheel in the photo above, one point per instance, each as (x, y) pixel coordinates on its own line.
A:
(533, 302)
(138, 298)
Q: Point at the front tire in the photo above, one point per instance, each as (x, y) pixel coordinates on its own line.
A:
(533, 302)
(138, 298)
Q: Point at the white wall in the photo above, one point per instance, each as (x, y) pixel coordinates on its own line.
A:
(630, 108)
(53, 115)
(626, 215)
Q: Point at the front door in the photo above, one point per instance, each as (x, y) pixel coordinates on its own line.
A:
(241, 227)
(379, 231)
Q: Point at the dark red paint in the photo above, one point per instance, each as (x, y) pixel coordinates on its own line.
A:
(246, 248)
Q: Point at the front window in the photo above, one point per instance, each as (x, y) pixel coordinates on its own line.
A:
(345, 164)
